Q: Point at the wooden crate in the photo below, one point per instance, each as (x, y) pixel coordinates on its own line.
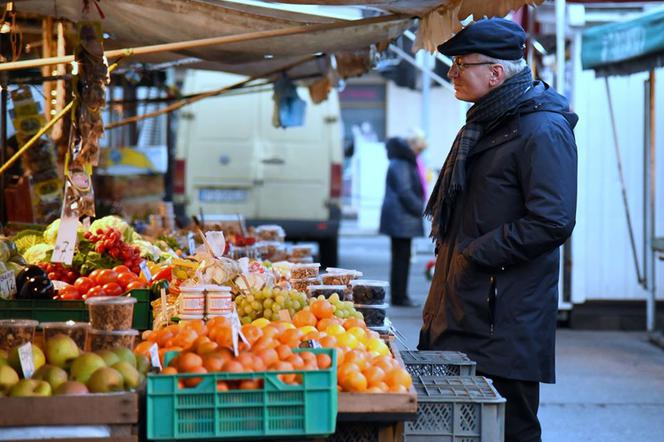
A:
(118, 411)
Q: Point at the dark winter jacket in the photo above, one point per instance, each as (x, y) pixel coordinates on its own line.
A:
(401, 215)
(498, 264)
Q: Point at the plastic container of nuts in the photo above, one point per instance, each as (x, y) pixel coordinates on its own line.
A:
(340, 276)
(15, 332)
(301, 271)
(301, 251)
(270, 232)
(374, 315)
(369, 292)
(302, 285)
(111, 312)
(78, 331)
(103, 339)
(327, 290)
(268, 249)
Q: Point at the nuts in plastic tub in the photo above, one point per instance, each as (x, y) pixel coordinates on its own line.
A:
(374, 315)
(340, 276)
(326, 290)
(303, 260)
(78, 331)
(268, 249)
(111, 312)
(301, 251)
(302, 285)
(270, 232)
(15, 332)
(107, 339)
(369, 292)
(301, 271)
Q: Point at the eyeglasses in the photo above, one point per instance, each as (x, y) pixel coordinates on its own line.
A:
(461, 66)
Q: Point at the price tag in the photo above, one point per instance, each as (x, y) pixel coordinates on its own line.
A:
(154, 356)
(25, 358)
(192, 243)
(65, 243)
(284, 315)
(236, 331)
(164, 305)
(146, 271)
(217, 242)
(7, 285)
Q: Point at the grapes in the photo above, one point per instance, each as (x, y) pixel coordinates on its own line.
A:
(268, 302)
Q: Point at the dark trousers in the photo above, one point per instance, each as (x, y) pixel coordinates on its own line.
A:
(399, 269)
(521, 423)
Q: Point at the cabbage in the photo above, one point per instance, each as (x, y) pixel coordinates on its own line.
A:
(115, 222)
(38, 253)
(51, 232)
(148, 250)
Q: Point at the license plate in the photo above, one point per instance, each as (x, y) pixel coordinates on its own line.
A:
(222, 195)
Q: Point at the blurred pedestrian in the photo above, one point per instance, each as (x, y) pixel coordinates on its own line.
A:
(401, 214)
(503, 204)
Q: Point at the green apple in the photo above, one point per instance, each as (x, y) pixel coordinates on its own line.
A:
(61, 350)
(72, 388)
(84, 365)
(105, 380)
(125, 355)
(37, 357)
(8, 378)
(31, 387)
(108, 356)
(55, 376)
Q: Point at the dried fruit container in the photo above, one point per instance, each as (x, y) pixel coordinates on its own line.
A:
(270, 232)
(366, 292)
(111, 312)
(326, 290)
(107, 339)
(340, 276)
(374, 315)
(302, 271)
(302, 285)
(15, 332)
(78, 331)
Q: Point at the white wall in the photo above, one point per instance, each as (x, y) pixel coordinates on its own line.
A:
(603, 267)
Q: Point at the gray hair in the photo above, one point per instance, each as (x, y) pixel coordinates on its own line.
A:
(510, 67)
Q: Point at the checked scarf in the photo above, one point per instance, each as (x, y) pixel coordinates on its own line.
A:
(483, 114)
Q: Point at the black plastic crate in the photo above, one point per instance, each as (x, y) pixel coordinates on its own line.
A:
(355, 432)
(456, 409)
(438, 363)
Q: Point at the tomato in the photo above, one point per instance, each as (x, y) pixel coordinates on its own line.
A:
(106, 276)
(83, 284)
(121, 269)
(69, 293)
(95, 291)
(93, 275)
(134, 285)
(125, 278)
(113, 289)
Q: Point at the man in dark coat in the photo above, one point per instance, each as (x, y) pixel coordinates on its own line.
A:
(401, 214)
(503, 204)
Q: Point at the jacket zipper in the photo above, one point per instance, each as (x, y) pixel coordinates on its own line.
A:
(493, 294)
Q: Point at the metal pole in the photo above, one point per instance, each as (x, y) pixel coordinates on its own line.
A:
(169, 176)
(4, 96)
(650, 303)
(560, 45)
(647, 243)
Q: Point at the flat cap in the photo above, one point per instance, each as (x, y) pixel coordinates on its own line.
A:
(494, 37)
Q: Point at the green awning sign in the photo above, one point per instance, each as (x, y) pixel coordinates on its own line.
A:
(625, 47)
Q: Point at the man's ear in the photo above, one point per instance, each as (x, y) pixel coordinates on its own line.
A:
(497, 75)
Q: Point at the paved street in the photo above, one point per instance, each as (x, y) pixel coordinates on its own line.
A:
(610, 384)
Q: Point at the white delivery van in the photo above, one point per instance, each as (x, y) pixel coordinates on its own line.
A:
(235, 161)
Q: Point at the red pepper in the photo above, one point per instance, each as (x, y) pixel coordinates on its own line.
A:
(166, 274)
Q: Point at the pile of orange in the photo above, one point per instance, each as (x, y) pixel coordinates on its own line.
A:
(207, 348)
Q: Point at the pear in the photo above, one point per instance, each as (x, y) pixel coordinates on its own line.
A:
(61, 350)
(105, 380)
(55, 376)
(84, 365)
(108, 356)
(131, 376)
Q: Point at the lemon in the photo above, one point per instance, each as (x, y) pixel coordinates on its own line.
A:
(335, 329)
(308, 329)
(260, 322)
(347, 340)
(358, 332)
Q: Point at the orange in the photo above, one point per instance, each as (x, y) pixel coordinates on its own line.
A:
(269, 356)
(398, 389)
(374, 390)
(185, 338)
(143, 348)
(358, 358)
(354, 322)
(354, 381)
(374, 375)
(326, 322)
(296, 361)
(207, 347)
(292, 337)
(259, 365)
(251, 332)
(192, 382)
(169, 370)
(304, 318)
(322, 308)
(307, 356)
(188, 362)
(222, 386)
(312, 336)
(398, 377)
(310, 365)
(196, 325)
(284, 366)
(284, 351)
(247, 361)
(328, 341)
(232, 366)
(345, 370)
(250, 384)
(384, 362)
(213, 362)
(324, 361)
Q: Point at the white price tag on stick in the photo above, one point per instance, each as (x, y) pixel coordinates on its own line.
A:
(191, 243)
(26, 360)
(65, 243)
(7, 285)
(146, 271)
(154, 356)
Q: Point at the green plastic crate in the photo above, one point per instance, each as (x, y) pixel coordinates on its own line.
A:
(278, 409)
(51, 310)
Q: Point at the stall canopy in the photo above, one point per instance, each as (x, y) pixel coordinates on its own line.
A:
(626, 47)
